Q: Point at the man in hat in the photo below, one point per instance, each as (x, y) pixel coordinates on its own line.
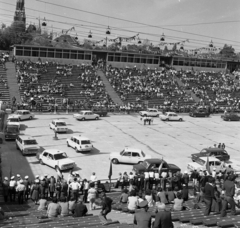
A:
(5, 186)
(12, 189)
(27, 184)
(20, 190)
(143, 218)
(163, 218)
(18, 179)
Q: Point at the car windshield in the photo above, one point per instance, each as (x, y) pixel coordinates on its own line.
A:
(60, 156)
(12, 129)
(13, 120)
(30, 142)
(84, 142)
(145, 164)
(61, 124)
(121, 153)
(200, 161)
(143, 154)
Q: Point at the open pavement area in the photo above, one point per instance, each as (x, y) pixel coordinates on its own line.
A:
(174, 141)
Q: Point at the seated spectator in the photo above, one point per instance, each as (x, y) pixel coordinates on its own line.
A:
(42, 204)
(163, 217)
(71, 204)
(80, 209)
(132, 201)
(64, 207)
(149, 198)
(178, 203)
(185, 193)
(171, 196)
(124, 196)
(162, 196)
(53, 210)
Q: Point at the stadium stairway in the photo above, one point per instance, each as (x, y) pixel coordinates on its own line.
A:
(12, 81)
(5, 91)
(180, 83)
(112, 93)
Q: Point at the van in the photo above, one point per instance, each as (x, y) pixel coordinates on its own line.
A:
(11, 131)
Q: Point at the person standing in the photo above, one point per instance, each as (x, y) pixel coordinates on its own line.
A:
(163, 218)
(12, 189)
(143, 218)
(85, 190)
(208, 195)
(5, 186)
(27, 184)
(92, 195)
(75, 187)
(229, 188)
(35, 191)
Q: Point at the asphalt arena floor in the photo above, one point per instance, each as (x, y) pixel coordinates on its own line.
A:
(174, 141)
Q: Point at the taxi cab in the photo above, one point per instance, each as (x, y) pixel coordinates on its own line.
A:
(58, 126)
(27, 144)
(201, 162)
(80, 143)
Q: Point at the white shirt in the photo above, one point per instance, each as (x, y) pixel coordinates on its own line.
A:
(93, 178)
(75, 186)
(214, 174)
(146, 175)
(12, 183)
(151, 174)
(164, 174)
(131, 176)
(157, 176)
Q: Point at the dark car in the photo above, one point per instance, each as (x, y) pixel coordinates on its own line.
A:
(199, 113)
(218, 153)
(11, 131)
(153, 165)
(230, 117)
(100, 112)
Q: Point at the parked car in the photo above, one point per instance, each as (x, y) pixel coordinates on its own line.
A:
(171, 116)
(56, 159)
(13, 119)
(86, 115)
(199, 113)
(153, 165)
(128, 155)
(100, 112)
(150, 112)
(230, 117)
(58, 126)
(218, 153)
(23, 115)
(80, 143)
(27, 145)
(12, 130)
(201, 162)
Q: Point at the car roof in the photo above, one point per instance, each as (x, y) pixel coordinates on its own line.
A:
(86, 111)
(57, 120)
(22, 110)
(25, 137)
(132, 149)
(154, 160)
(13, 124)
(171, 112)
(209, 159)
(213, 149)
(152, 109)
(13, 117)
(53, 151)
(80, 137)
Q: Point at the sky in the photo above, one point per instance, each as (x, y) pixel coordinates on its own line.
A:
(198, 21)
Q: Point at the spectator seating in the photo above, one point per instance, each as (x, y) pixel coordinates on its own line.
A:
(79, 84)
(4, 92)
(157, 87)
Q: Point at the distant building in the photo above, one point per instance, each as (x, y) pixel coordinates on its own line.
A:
(20, 15)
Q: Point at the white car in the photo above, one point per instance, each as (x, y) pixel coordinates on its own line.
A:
(150, 112)
(80, 143)
(200, 163)
(58, 126)
(86, 115)
(129, 155)
(27, 144)
(56, 159)
(171, 116)
(23, 115)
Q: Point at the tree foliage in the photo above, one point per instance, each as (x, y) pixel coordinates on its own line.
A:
(227, 51)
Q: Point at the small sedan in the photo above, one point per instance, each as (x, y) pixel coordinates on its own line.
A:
(23, 115)
(129, 155)
(171, 116)
(56, 159)
(86, 115)
(230, 117)
(58, 126)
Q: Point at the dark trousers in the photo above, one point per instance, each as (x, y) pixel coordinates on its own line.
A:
(20, 197)
(229, 200)
(75, 194)
(5, 198)
(208, 203)
(26, 195)
(12, 193)
(146, 183)
(85, 194)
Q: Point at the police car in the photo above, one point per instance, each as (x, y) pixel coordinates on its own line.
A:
(27, 145)
(201, 164)
(58, 126)
(80, 143)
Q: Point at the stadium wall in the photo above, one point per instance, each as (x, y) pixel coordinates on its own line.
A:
(197, 68)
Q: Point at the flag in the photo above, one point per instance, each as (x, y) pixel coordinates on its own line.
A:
(110, 171)
(207, 166)
(160, 167)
